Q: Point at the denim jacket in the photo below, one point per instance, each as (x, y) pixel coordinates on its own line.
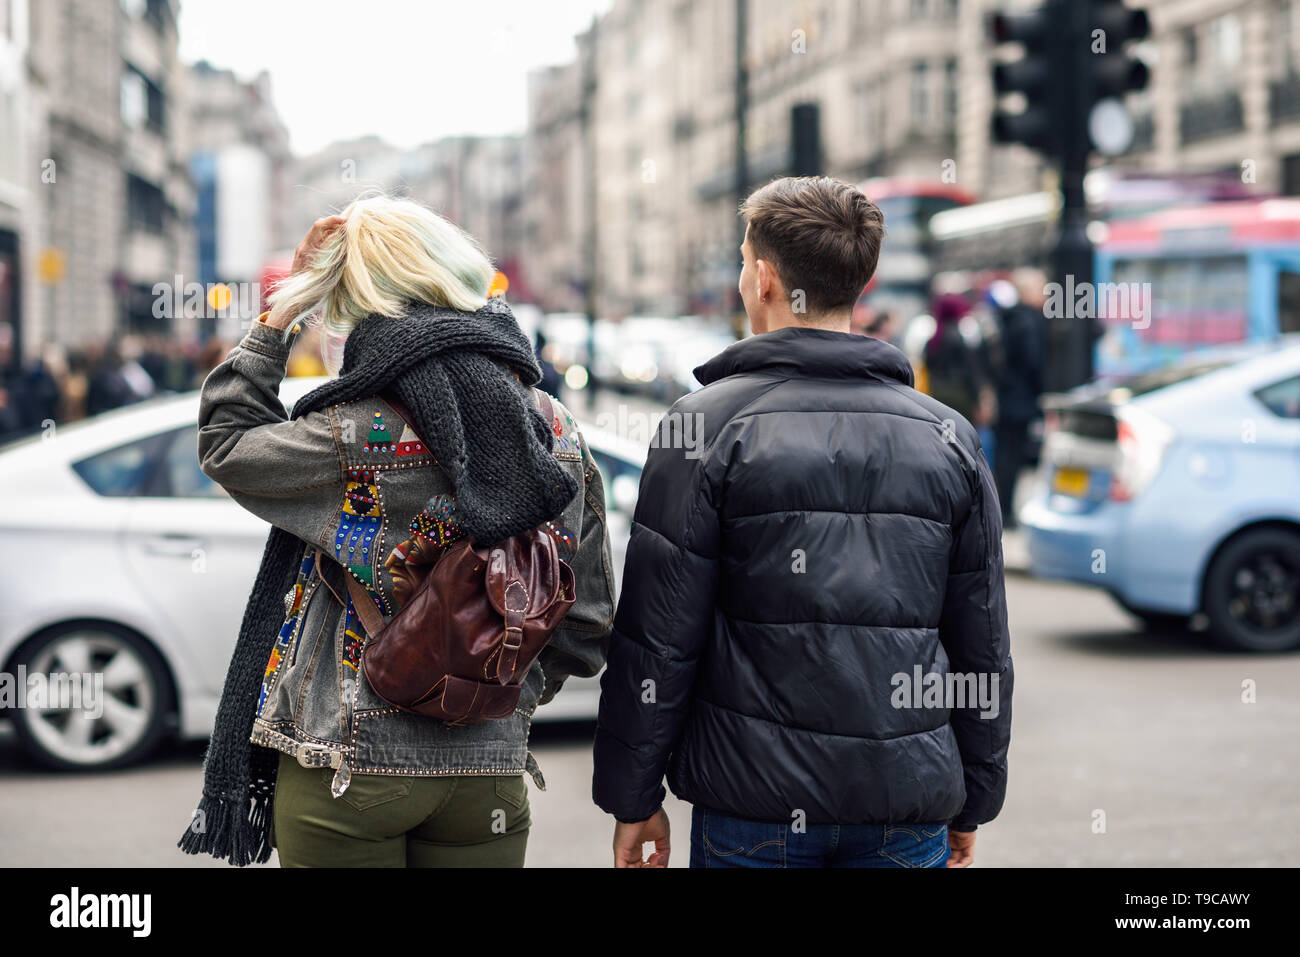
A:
(355, 482)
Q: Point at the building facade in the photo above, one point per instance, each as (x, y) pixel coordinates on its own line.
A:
(17, 184)
(240, 159)
(474, 181)
(108, 201)
(903, 88)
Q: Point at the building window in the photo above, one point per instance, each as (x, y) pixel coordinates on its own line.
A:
(1191, 48)
(1284, 28)
(156, 14)
(1225, 41)
(142, 101)
(134, 99)
(920, 95)
(146, 205)
(950, 93)
(1291, 175)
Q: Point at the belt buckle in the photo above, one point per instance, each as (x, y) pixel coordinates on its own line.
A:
(317, 756)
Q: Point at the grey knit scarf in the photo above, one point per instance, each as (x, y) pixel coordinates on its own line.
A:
(455, 371)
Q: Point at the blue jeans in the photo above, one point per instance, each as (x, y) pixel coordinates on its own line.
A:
(720, 840)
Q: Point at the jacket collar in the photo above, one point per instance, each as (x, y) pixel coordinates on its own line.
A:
(801, 352)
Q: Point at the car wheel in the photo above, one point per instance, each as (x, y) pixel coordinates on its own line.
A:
(114, 718)
(1252, 591)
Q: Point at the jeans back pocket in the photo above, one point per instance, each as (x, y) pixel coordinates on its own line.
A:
(915, 845)
(736, 842)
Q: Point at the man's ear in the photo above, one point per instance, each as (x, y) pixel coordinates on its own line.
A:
(769, 283)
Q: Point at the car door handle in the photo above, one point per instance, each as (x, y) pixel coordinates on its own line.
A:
(181, 546)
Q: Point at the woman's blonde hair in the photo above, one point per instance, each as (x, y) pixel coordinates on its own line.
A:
(389, 253)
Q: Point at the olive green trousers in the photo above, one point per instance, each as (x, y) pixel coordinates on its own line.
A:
(384, 820)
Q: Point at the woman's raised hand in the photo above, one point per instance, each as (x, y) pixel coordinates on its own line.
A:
(302, 257)
(316, 236)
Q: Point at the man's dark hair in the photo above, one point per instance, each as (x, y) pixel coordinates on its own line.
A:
(821, 235)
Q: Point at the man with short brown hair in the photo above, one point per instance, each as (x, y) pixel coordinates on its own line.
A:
(822, 235)
(812, 638)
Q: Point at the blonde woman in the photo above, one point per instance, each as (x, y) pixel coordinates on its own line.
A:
(430, 431)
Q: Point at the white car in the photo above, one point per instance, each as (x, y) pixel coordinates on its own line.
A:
(122, 559)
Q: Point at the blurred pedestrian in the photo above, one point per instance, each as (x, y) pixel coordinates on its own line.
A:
(12, 421)
(551, 378)
(956, 371)
(76, 385)
(877, 323)
(108, 386)
(811, 535)
(332, 773)
(141, 384)
(1020, 384)
(44, 385)
(211, 355)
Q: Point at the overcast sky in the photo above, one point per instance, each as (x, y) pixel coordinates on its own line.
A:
(407, 70)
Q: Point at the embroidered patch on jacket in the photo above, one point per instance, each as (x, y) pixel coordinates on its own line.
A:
(380, 440)
(409, 443)
(565, 540)
(354, 638)
(359, 521)
(434, 527)
(293, 605)
(567, 447)
(438, 521)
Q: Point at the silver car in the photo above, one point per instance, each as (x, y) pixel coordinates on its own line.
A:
(124, 574)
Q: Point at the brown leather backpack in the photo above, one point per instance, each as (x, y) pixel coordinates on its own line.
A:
(461, 645)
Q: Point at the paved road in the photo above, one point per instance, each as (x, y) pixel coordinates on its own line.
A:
(1149, 729)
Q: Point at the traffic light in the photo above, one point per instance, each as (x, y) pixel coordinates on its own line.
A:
(1111, 72)
(805, 140)
(1117, 72)
(1037, 76)
(1072, 74)
(1074, 58)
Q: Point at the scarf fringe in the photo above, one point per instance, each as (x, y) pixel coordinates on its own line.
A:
(238, 835)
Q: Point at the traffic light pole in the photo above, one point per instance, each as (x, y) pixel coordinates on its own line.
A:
(1073, 62)
(1073, 258)
(591, 220)
(741, 172)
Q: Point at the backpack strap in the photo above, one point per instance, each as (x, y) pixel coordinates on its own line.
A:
(371, 620)
(544, 402)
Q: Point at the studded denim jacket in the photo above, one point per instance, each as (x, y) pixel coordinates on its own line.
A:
(355, 482)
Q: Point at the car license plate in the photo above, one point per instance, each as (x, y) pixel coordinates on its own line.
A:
(1070, 481)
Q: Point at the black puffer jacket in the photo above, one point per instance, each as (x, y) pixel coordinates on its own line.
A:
(809, 528)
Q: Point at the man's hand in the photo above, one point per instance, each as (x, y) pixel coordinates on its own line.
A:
(628, 839)
(963, 848)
